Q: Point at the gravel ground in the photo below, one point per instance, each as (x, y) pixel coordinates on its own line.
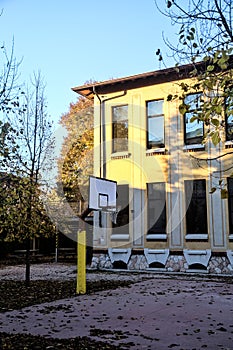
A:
(54, 271)
(67, 271)
(64, 272)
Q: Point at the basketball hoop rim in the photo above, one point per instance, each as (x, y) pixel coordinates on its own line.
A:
(109, 208)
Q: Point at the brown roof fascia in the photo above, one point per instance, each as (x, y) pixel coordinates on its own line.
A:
(137, 81)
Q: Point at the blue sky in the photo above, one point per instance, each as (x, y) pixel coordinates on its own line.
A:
(74, 41)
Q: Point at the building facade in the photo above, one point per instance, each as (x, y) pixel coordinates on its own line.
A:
(167, 218)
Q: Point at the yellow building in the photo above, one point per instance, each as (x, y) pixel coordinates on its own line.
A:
(167, 219)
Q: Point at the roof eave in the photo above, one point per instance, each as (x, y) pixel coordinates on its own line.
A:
(135, 81)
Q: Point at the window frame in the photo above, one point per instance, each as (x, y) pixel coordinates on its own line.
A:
(192, 210)
(230, 205)
(158, 229)
(150, 144)
(115, 145)
(229, 136)
(196, 140)
(120, 229)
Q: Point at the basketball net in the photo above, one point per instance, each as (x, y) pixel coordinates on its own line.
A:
(114, 213)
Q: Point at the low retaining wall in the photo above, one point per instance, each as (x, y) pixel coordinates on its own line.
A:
(174, 263)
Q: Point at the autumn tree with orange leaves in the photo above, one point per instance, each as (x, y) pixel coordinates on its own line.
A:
(75, 163)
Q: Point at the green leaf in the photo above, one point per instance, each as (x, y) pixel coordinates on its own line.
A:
(215, 122)
(191, 36)
(183, 108)
(215, 138)
(193, 119)
(184, 87)
(218, 109)
(224, 193)
(210, 68)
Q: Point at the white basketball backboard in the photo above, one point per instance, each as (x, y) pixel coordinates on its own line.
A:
(102, 193)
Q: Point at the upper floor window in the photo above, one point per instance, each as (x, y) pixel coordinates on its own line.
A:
(229, 118)
(120, 128)
(193, 130)
(155, 124)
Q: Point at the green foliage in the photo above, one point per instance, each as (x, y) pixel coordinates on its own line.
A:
(204, 33)
(22, 214)
(24, 152)
(203, 27)
(214, 79)
(222, 188)
(205, 41)
(224, 193)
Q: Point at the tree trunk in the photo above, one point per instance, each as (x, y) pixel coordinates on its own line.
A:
(27, 273)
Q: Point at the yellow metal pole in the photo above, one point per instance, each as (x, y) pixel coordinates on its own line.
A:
(81, 262)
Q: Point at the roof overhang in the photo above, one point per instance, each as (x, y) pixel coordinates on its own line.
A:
(136, 81)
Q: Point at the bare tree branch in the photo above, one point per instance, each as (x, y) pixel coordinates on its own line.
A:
(204, 26)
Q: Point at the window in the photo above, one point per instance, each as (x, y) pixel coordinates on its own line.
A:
(193, 131)
(121, 227)
(196, 210)
(155, 124)
(120, 128)
(156, 208)
(229, 118)
(230, 203)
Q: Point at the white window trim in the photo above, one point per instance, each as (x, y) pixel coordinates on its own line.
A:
(196, 236)
(156, 150)
(194, 146)
(156, 237)
(228, 143)
(120, 237)
(120, 154)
